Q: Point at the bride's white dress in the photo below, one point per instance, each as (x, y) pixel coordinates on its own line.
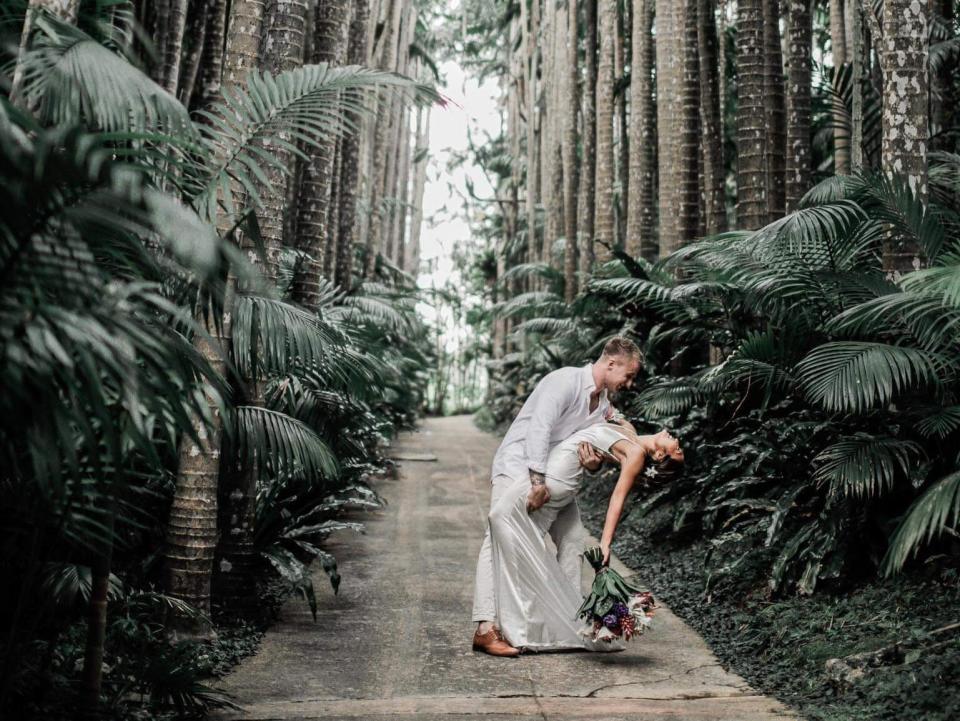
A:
(538, 595)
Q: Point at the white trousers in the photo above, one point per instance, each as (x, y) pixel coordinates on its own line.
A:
(560, 518)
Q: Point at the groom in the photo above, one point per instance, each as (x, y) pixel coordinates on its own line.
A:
(564, 402)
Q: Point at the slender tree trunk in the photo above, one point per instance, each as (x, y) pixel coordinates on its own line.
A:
(65, 10)
(198, 20)
(621, 138)
(688, 208)
(331, 247)
(775, 111)
(603, 203)
(751, 127)
(332, 18)
(588, 161)
(547, 138)
(171, 44)
(841, 135)
(419, 186)
(403, 210)
(192, 525)
(534, 244)
(799, 144)
(211, 63)
(669, 58)
(385, 127)
(855, 46)
(714, 168)
(569, 152)
(903, 57)
(641, 240)
(350, 155)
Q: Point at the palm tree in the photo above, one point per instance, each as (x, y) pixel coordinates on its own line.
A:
(313, 234)
(838, 44)
(588, 160)
(688, 191)
(799, 158)
(714, 167)
(752, 177)
(903, 58)
(604, 239)
(568, 110)
(669, 59)
(774, 109)
(350, 155)
(643, 132)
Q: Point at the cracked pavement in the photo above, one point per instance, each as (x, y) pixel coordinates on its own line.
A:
(395, 642)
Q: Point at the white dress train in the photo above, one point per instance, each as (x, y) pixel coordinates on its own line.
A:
(537, 591)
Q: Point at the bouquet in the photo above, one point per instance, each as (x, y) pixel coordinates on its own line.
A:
(615, 608)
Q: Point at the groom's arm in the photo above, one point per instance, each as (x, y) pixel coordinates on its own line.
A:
(551, 398)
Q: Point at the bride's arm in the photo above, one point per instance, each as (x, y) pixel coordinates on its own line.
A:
(630, 468)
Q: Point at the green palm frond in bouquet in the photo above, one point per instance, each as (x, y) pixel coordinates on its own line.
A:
(615, 608)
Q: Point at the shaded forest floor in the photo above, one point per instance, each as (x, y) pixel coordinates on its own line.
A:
(781, 646)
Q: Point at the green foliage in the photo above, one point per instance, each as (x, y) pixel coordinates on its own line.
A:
(834, 397)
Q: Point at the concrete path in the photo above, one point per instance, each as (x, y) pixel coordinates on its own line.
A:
(395, 644)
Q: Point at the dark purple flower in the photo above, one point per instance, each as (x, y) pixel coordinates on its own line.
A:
(610, 620)
(621, 610)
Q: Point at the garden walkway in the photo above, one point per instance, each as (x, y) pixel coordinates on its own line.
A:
(395, 643)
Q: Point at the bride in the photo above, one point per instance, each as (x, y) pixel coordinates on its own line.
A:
(538, 595)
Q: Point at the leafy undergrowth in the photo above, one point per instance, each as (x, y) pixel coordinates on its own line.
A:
(781, 645)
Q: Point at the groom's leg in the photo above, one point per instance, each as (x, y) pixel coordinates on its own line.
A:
(568, 535)
(484, 606)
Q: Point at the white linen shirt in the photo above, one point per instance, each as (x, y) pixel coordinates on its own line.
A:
(558, 407)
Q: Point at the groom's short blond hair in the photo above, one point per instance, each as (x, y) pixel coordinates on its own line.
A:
(619, 346)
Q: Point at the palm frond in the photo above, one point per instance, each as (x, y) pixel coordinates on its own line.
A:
(304, 105)
(933, 512)
(69, 76)
(852, 377)
(280, 444)
(863, 465)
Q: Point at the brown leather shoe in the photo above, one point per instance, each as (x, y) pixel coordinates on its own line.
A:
(492, 642)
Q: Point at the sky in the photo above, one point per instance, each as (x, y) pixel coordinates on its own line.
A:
(445, 220)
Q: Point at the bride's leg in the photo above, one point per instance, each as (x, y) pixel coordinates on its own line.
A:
(568, 535)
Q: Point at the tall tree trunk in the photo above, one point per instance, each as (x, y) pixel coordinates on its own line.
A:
(170, 41)
(774, 110)
(192, 524)
(854, 22)
(603, 203)
(588, 161)
(751, 126)
(569, 152)
(688, 207)
(198, 19)
(403, 193)
(799, 149)
(714, 168)
(621, 138)
(841, 135)
(547, 136)
(331, 247)
(669, 54)
(211, 63)
(903, 57)
(534, 245)
(350, 154)
(641, 240)
(419, 186)
(313, 237)
(382, 132)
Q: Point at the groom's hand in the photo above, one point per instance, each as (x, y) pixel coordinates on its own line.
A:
(589, 458)
(538, 494)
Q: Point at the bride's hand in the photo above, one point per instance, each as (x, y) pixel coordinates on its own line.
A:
(606, 553)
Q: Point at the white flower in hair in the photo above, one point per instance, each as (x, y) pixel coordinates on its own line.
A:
(650, 472)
